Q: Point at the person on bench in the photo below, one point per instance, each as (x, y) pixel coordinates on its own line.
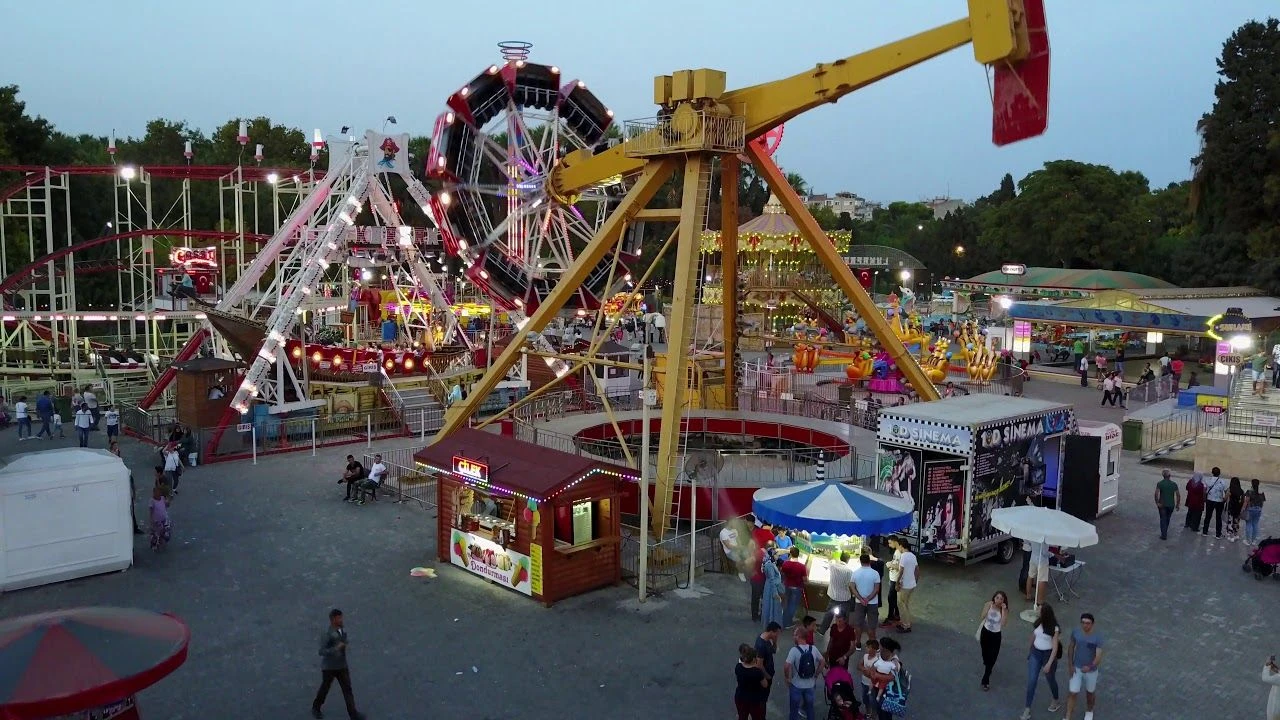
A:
(353, 475)
(376, 475)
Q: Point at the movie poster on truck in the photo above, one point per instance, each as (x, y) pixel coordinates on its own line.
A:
(941, 510)
(491, 561)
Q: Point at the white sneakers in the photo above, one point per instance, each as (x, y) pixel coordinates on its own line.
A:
(1055, 706)
(1026, 714)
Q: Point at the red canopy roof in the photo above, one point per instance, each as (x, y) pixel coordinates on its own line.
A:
(62, 662)
(515, 464)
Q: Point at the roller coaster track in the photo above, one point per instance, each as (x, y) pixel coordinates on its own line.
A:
(33, 175)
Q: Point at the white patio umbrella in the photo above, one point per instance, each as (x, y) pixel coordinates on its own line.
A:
(1043, 525)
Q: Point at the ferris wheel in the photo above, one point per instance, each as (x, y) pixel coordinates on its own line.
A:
(493, 151)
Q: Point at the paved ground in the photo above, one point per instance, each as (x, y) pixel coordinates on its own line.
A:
(261, 553)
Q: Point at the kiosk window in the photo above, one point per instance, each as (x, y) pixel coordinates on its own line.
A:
(581, 522)
(1113, 457)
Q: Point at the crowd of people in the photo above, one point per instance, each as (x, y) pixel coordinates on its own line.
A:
(1206, 499)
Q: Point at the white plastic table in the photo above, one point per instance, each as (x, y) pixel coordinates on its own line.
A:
(1065, 579)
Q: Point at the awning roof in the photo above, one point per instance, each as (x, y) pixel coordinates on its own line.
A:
(514, 464)
(1068, 279)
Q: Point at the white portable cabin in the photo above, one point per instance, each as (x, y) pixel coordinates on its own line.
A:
(64, 514)
(1108, 462)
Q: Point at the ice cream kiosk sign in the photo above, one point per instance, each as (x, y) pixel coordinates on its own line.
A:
(491, 561)
(471, 469)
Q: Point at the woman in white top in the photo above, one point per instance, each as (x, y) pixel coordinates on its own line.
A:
(994, 615)
(1043, 659)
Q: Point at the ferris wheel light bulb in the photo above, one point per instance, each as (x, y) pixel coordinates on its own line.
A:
(273, 178)
(608, 112)
(464, 91)
(492, 69)
(462, 244)
(555, 70)
(444, 196)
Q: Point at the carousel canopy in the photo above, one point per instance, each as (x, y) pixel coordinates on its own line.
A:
(773, 231)
(62, 662)
(832, 508)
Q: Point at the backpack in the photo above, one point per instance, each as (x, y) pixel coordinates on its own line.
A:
(806, 668)
(894, 701)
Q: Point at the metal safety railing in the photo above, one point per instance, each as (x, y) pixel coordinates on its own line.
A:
(404, 479)
(685, 131)
(265, 434)
(668, 566)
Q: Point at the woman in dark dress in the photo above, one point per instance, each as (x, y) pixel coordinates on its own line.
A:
(1235, 508)
(752, 694)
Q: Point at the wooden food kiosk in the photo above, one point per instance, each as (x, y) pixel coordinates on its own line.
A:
(542, 522)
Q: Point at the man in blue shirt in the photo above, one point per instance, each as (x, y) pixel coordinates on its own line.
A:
(1085, 652)
(44, 408)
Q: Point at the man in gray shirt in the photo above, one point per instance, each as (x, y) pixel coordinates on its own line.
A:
(333, 666)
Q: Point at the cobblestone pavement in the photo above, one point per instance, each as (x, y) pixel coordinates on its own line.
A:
(260, 554)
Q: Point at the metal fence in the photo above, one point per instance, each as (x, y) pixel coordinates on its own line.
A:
(266, 434)
(404, 479)
(1178, 428)
(668, 564)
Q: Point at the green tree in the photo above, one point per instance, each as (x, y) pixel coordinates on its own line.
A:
(1237, 174)
(826, 217)
(1073, 214)
(899, 225)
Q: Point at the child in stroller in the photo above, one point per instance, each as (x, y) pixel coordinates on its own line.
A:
(842, 703)
(1264, 561)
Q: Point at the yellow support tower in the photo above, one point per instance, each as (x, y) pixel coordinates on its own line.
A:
(699, 121)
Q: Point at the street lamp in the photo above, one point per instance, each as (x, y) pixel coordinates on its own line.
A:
(959, 250)
(905, 275)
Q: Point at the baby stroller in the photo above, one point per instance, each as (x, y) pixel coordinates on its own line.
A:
(842, 701)
(1264, 561)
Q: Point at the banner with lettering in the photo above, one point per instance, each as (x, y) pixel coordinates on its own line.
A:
(491, 561)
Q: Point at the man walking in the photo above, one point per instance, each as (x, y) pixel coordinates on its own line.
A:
(1215, 494)
(1168, 501)
(1082, 367)
(804, 664)
(1085, 652)
(333, 666)
(44, 408)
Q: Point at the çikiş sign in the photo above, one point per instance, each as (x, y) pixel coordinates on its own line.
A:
(471, 469)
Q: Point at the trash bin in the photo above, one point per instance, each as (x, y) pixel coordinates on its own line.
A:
(508, 427)
(1131, 435)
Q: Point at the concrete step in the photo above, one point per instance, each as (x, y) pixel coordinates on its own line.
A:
(421, 412)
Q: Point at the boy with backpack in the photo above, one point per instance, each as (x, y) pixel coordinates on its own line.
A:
(804, 664)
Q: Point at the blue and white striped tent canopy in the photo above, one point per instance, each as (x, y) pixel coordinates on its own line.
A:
(832, 508)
